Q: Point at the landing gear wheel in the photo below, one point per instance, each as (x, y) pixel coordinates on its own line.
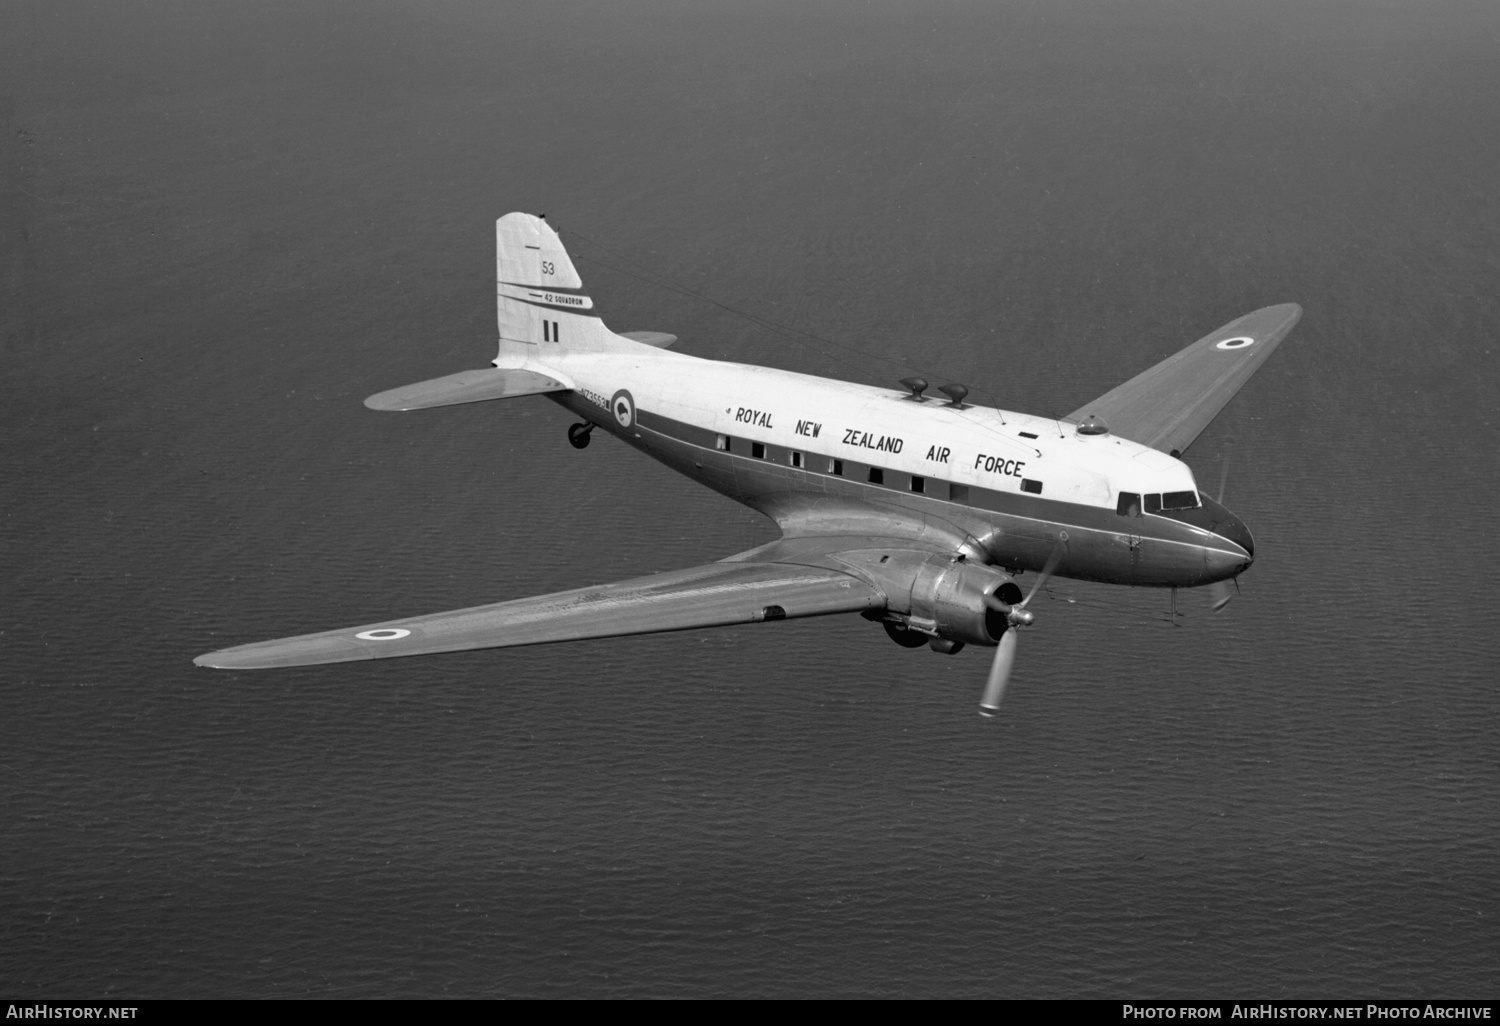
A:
(578, 435)
(905, 638)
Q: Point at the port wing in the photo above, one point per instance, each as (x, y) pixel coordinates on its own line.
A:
(715, 595)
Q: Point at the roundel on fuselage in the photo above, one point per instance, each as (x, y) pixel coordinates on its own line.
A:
(623, 407)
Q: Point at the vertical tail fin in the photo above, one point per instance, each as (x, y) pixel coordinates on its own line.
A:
(542, 304)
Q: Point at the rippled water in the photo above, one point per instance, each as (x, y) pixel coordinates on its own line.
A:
(224, 227)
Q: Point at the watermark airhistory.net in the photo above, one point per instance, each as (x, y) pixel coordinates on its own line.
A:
(1306, 1010)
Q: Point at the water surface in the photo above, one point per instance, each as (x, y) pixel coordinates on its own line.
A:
(223, 227)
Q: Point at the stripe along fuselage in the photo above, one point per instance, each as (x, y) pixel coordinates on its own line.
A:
(815, 451)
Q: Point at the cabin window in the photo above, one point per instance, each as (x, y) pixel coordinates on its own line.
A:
(877, 476)
(1027, 434)
(796, 459)
(958, 493)
(1028, 485)
(722, 441)
(757, 450)
(836, 467)
(1179, 500)
(918, 484)
(1153, 503)
(1129, 505)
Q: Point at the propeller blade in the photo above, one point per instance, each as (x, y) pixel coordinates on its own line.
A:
(1219, 594)
(994, 688)
(1051, 565)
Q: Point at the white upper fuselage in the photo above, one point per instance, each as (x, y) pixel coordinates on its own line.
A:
(831, 419)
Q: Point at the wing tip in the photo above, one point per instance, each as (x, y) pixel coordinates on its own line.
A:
(1286, 313)
(303, 650)
(272, 655)
(385, 402)
(224, 659)
(1267, 325)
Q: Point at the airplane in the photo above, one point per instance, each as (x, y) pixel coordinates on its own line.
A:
(916, 512)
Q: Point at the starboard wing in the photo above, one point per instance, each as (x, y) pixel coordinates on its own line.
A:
(715, 595)
(1168, 406)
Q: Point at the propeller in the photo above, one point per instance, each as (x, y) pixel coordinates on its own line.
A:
(1016, 616)
(1219, 592)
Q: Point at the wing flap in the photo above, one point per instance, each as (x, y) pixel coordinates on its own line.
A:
(716, 595)
(1168, 406)
(471, 386)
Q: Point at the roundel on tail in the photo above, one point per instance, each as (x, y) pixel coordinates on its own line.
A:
(623, 407)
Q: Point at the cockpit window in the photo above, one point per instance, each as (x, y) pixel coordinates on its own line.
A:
(1129, 505)
(1180, 500)
(1153, 502)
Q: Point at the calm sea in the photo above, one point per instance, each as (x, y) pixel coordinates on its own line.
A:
(224, 225)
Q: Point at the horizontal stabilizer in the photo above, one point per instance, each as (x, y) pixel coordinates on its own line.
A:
(1168, 406)
(470, 386)
(655, 339)
(716, 595)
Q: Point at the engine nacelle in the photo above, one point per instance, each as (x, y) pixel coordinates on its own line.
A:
(948, 601)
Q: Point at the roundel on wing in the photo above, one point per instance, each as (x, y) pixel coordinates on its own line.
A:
(386, 634)
(1238, 342)
(623, 407)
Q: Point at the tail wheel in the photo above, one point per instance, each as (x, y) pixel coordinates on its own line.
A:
(578, 435)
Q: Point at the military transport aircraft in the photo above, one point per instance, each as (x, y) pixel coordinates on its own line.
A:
(913, 511)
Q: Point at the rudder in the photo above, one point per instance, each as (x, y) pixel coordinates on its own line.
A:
(541, 301)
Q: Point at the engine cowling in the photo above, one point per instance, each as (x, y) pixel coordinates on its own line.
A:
(948, 601)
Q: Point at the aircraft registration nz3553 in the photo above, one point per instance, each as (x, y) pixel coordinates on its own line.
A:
(913, 511)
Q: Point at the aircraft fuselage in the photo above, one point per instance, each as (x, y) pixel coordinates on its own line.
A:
(1003, 486)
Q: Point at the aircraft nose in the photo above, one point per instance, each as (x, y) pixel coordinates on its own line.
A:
(1230, 527)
